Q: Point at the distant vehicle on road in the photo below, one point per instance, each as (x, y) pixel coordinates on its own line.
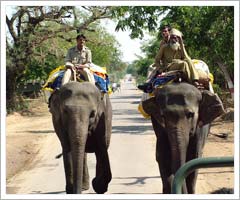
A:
(116, 87)
(128, 77)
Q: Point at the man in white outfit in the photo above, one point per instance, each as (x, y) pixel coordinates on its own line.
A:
(78, 57)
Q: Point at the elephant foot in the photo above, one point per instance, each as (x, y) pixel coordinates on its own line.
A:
(85, 187)
(69, 189)
(99, 186)
(85, 183)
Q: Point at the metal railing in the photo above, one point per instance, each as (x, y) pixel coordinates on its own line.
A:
(197, 163)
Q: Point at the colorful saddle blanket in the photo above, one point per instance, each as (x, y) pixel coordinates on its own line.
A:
(163, 79)
(55, 78)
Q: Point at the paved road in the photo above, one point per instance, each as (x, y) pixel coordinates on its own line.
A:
(131, 152)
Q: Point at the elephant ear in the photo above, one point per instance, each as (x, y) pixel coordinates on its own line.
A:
(150, 106)
(53, 101)
(210, 107)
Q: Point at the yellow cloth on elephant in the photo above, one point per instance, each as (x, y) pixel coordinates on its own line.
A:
(47, 90)
(98, 69)
(145, 96)
(52, 77)
(211, 77)
(203, 70)
(109, 90)
(205, 77)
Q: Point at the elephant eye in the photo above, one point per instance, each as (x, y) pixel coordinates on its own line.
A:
(190, 115)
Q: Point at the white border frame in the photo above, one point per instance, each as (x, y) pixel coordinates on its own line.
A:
(120, 3)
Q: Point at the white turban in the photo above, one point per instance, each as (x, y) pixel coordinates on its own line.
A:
(176, 32)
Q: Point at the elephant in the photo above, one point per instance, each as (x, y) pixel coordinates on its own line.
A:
(82, 119)
(181, 115)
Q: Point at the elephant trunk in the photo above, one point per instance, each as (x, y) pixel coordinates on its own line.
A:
(78, 136)
(178, 140)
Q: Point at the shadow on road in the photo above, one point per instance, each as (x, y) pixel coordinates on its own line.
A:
(37, 132)
(138, 180)
(136, 130)
(123, 98)
(125, 112)
(39, 192)
(135, 102)
(133, 119)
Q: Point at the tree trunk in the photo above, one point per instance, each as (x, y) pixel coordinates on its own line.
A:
(11, 101)
(13, 73)
(227, 77)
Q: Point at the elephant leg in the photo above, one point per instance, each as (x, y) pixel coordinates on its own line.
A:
(103, 171)
(69, 174)
(85, 184)
(67, 159)
(178, 148)
(163, 157)
(194, 151)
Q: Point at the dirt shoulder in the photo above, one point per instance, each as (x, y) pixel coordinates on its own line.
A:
(219, 180)
(26, 132)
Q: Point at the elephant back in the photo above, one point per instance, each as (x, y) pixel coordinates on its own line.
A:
(181, 88)
(80, 90)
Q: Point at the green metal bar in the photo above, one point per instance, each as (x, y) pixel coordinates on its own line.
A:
(197, 163)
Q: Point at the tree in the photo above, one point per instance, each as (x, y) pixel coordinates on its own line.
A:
(30, 27)
(208, 31)
(128, 17)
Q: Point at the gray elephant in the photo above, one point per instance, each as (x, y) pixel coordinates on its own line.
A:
(82, 119)
(180, 115)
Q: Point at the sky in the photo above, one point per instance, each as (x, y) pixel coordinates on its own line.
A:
(129, 47)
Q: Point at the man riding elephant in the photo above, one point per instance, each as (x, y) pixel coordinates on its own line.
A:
(173, 56)
(78, 56)
(165, 32)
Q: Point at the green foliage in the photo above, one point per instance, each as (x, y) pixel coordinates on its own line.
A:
(208, 32)
(138, 18)
(19, 105)
(40, 44)
(51, 53)
(131, 70)
(217, 89)
(139, 68)
(104, 47)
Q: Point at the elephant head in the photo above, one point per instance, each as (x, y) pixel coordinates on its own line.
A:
(180, 115)
(82, 117)
(177, 104)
